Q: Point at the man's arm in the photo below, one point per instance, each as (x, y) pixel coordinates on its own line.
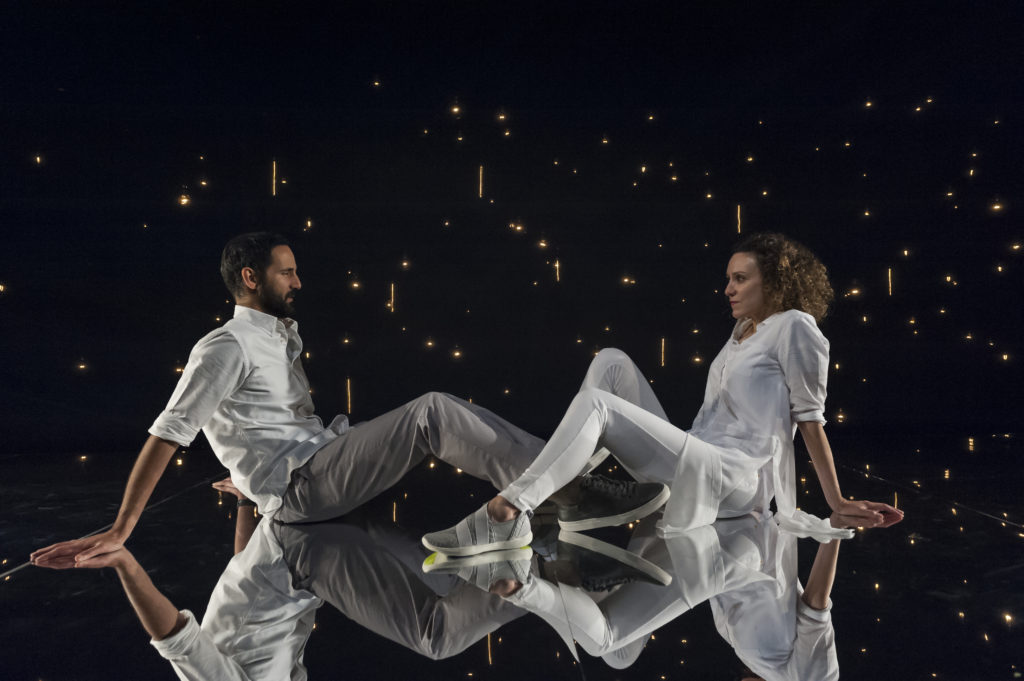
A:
(149, 467)
(246, 517)
(813, 434)
(157, 614)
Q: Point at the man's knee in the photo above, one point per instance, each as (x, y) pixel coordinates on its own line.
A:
(428, 407)
(612, 356)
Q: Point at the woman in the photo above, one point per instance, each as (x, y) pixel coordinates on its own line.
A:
(766, 383)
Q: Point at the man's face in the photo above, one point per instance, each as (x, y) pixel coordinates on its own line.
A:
(278, 284)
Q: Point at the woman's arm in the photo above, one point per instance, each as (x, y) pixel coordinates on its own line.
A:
(813, 434)
(823, 575)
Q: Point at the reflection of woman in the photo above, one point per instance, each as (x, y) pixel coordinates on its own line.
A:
(745, 567)
(767, 382)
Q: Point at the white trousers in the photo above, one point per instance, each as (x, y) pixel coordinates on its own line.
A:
(617, 409)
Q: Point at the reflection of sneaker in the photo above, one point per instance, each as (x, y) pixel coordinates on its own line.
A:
(484, 569)
(477, 533)
(605, 502)
(602, 566)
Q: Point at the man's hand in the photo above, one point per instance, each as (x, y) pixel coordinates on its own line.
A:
(228, 487)
(67, 554)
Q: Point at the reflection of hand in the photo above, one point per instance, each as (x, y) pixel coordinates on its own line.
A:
(849, 522)
(67, 553)
(869, 510)
(228, 487)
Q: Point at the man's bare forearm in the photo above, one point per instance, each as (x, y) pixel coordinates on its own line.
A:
(245, 524)
(157, 614)
(149, 467)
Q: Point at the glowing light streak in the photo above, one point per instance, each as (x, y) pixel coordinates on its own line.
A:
(663, 351)
(480, 183)
(890, 281)
(273, 177)
(739, 219)
(348, 395)
(391, 303)
(558, 271)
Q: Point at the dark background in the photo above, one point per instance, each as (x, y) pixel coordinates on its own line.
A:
(111, 113)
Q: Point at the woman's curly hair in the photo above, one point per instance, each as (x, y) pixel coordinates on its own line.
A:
(794, 278)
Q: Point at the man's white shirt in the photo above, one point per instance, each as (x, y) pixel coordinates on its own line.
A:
(245, 388)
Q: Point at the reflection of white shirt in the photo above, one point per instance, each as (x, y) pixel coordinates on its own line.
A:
(779, 639)
(757, 392)
(244, 386)
(256, 623)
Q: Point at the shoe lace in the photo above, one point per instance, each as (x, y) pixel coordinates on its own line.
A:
(604, 583)
(599, 483)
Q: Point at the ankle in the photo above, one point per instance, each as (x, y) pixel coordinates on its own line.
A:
(505, 587)
(569, 495)
(500, 510)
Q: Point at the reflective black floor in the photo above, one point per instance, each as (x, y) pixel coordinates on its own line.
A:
(937, 596)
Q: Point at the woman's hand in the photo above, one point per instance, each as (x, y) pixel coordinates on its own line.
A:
(868, 513)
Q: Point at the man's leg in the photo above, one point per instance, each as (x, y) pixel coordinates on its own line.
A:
(345, 566)
(374, 455)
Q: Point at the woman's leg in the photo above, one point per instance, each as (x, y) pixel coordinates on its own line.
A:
(613, 371)
(645, 444)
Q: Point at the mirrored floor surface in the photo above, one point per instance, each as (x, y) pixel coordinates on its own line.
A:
(937, 596)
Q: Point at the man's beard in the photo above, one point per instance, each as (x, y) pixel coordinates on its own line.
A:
(279, 306)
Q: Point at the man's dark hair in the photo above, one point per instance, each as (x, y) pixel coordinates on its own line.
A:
(247, 250)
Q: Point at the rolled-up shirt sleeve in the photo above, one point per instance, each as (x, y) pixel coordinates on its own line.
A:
(803, 354)
(814, 652)
(195, 657)
(216, 368)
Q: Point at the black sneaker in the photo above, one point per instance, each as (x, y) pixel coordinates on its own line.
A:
(600, 566)
(605, 503)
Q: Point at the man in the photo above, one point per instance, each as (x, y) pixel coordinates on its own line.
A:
(245, 387)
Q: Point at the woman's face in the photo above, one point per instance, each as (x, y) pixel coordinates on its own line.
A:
(745, 289)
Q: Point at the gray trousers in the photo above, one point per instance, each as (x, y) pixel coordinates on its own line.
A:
(371, 573)
(374, 455)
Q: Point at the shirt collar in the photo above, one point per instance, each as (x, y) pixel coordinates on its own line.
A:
(267, 322)
(741, 324)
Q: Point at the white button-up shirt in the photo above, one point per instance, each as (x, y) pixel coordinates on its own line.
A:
(256, 624)
(758, 390)
(244, 386)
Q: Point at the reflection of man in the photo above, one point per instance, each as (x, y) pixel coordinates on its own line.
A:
(245, 387)
(262, 609)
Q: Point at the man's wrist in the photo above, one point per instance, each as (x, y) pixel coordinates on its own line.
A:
(242, 501)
